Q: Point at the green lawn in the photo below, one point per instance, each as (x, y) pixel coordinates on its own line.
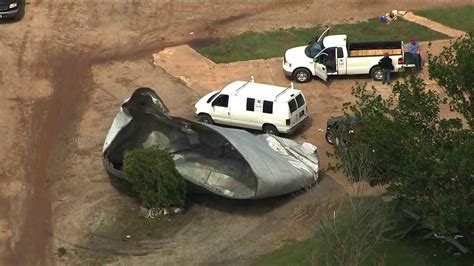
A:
(461, 18)
(253, 45)
(410, 251)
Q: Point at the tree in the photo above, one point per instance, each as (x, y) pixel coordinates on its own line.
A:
(453, 69)
(352, 232)
(426, 161)
(154, 176)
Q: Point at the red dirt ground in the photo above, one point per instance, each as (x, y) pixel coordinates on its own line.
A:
(67, 67)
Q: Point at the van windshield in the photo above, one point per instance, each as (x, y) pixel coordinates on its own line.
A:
(314, 48)
(212, 97)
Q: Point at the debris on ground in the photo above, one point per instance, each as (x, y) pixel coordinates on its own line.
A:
(229, 162)
(391, 16)
(150, 213)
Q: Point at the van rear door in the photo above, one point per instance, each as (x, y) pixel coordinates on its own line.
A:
(297, 106)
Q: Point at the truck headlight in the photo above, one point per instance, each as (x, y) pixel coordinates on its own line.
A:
(288, 64)
(13, 5)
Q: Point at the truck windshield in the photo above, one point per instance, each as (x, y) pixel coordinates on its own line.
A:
(313, 49)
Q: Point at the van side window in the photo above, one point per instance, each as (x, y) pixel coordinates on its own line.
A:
(250, 104)
(300, 100)
(292, 105)
(222, 100)
(268, 107)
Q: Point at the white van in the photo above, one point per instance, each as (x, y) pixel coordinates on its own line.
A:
(247, 104)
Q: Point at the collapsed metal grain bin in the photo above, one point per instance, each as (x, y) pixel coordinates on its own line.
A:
(229, 162)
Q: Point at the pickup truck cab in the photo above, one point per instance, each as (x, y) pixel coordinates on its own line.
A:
(333, 55)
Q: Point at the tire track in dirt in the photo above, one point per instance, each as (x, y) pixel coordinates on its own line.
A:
(7, 213)
(22, 51)
(51, 117)
(52, 120)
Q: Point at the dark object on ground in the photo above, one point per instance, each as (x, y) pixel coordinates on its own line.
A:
(12, 9)
(61, 252)
(229, 162)
(418, 224)
(337, 128)
(354, 46)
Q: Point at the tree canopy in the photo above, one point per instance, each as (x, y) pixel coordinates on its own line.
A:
(426, 161)
(153, 174)
(453, 70)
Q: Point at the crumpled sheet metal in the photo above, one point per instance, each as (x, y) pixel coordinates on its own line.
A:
(229, 162)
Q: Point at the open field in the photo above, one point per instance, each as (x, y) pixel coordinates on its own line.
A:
(68, 67)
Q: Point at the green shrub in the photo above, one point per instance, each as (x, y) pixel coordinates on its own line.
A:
(154, 176)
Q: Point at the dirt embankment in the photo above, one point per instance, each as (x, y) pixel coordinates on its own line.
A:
(70, 63)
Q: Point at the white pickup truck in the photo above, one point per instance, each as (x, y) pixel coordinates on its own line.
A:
(333, 55)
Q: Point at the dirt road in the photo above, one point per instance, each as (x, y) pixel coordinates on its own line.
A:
(67, 66)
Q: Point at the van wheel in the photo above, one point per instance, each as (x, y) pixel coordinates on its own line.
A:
(302, 75)
(376, 73)
(206, 119)
(270, 129)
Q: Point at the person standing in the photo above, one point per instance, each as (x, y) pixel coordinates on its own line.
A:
(386, 64)
(414, 50)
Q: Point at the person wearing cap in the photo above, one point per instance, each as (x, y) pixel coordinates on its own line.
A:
(414, 50)
(386, 64)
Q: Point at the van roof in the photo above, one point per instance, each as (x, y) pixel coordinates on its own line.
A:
(260, 91)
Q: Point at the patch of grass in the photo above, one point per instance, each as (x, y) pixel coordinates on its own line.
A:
(461, 18)
(409, 251)
(261, 45)
(293, 253)
(61, 252)
(253, 45)
(373, 30)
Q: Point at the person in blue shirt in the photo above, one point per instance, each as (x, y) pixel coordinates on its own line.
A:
(414, 50)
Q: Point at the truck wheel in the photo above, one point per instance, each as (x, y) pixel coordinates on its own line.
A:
(302, 75)
(329, 138)
(206, 119)
(270, 129)
(376, 73)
